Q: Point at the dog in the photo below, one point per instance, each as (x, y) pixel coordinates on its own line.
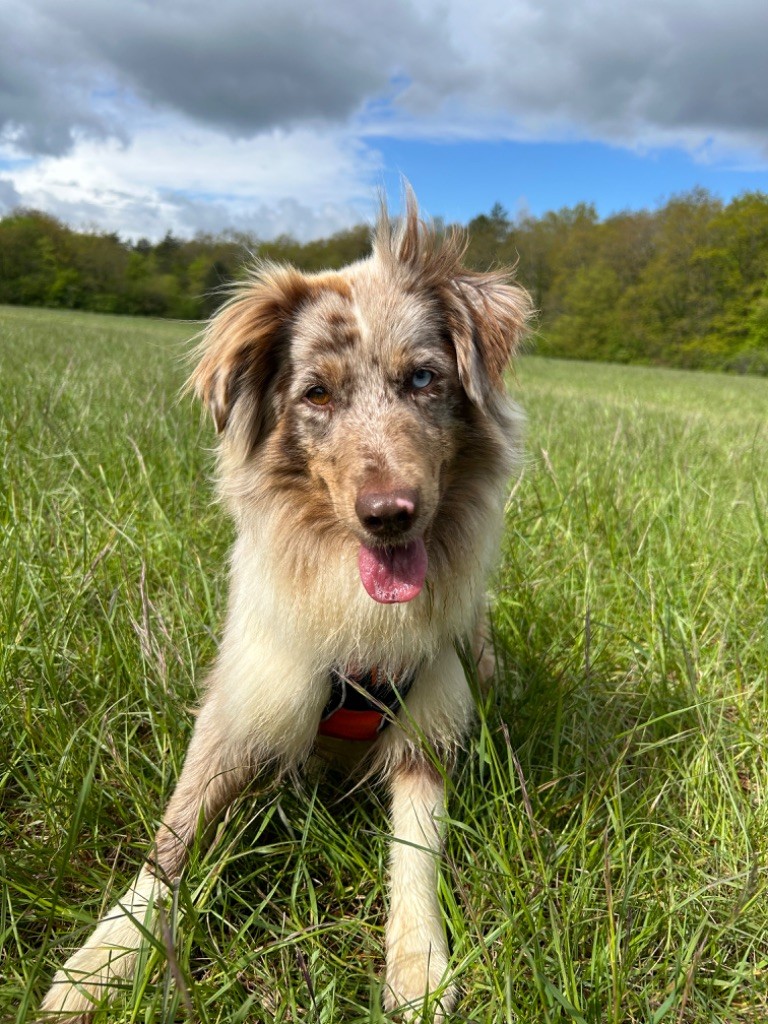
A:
(366, 444)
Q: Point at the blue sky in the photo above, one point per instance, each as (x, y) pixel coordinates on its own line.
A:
(273, 116)
(541, 176)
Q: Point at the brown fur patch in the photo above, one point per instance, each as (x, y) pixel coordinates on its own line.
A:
(239, 343)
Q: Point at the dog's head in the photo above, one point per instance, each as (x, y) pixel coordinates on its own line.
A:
(360, 398)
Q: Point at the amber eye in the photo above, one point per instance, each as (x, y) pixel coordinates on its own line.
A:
(318, 395)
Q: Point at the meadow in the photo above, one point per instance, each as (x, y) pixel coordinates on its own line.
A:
(606, 838)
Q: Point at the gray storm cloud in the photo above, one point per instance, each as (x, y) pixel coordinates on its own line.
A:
(625, 72)
(9, 197)
(595, 68)
(238, 67)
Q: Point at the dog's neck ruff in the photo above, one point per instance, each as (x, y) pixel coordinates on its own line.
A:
(362, 703)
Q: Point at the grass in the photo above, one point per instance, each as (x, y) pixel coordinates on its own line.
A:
(607, 840)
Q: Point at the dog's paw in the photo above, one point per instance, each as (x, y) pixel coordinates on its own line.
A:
(416, 986)
(67, 1003)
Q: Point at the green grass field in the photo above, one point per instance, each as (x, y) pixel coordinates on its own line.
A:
(606, 854)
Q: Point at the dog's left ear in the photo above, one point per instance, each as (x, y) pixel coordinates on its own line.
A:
(486, 314)
(487, 321)
(243, 344)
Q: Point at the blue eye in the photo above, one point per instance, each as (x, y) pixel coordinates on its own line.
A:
(422, 379)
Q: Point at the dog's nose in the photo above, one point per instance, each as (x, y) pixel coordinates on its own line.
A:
(387, 513)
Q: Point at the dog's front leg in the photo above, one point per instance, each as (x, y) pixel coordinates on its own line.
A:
(213, 773)
(260, 712)
(417, 951)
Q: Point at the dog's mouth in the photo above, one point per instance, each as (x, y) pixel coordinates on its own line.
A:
(393, 574)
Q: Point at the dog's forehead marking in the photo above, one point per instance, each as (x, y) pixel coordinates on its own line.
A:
(324, 324)
(372, 323)
(390, 314)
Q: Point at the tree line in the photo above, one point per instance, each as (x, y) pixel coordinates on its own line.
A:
(683, 285)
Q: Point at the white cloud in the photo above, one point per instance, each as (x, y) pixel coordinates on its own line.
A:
(175, 175)
(141, 116)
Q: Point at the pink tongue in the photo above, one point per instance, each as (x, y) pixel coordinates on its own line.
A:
(392, 575)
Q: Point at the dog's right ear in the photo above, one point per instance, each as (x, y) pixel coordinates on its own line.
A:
(243, 344)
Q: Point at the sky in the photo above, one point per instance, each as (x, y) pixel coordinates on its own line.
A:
(291, 116)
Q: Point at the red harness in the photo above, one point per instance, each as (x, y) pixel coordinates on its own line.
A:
(361, 705)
